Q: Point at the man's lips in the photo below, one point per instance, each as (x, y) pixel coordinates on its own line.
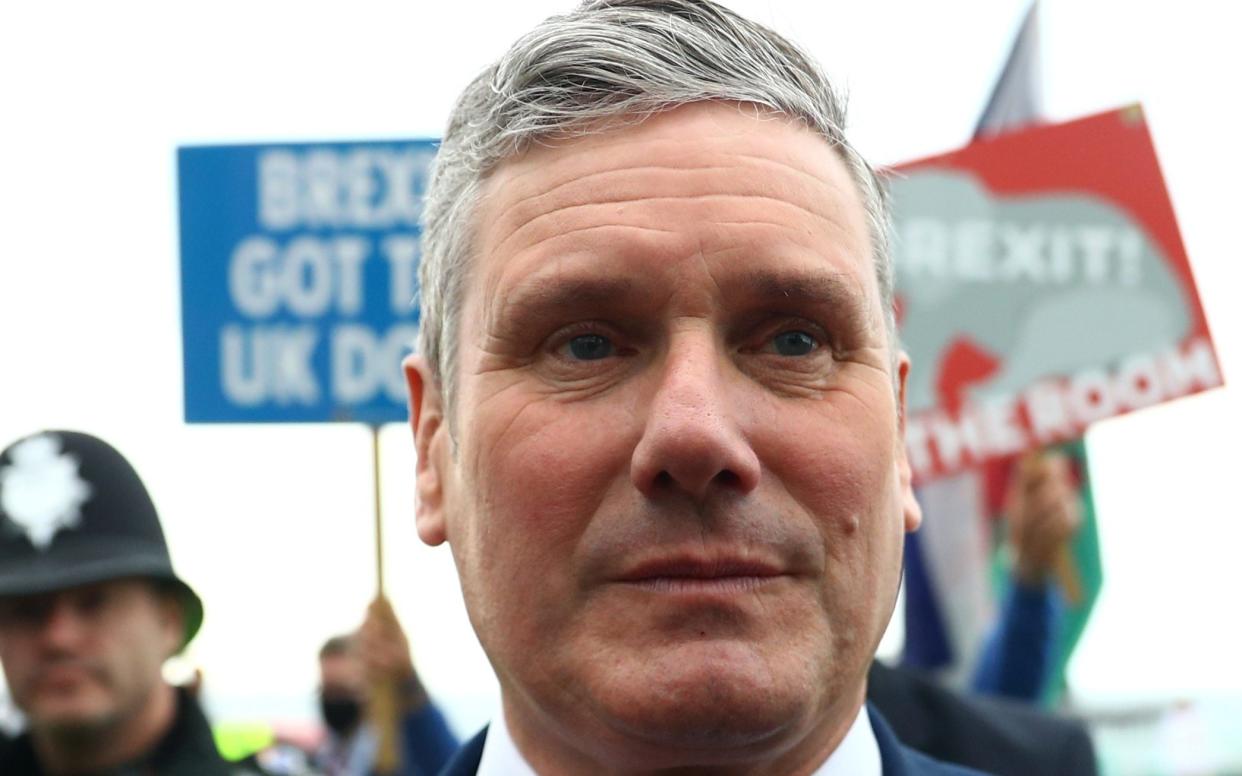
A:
(63, 676)
(686, 574)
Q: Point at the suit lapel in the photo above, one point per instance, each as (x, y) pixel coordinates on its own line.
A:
(904, 711)
(466, 761)
(892, 755)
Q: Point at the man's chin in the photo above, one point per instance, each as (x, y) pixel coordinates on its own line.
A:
(76, 718)
(720, 698)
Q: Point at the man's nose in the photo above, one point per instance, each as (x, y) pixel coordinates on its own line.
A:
(693, 442)
(63, 626)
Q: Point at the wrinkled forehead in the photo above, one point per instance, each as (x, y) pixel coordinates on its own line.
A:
(698, 131)
(709, 160)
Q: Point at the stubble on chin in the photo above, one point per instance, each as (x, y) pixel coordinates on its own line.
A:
(86, 730)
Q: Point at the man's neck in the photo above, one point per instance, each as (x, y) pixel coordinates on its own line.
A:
(803, 758)
(108, 746)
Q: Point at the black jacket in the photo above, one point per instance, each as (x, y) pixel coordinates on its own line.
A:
(1004, 738)
(187, 749)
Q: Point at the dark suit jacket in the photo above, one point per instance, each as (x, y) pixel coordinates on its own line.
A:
(1000, 737)
(897, 760)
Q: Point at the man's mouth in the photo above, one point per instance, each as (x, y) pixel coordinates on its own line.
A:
(62, 677)
(687, 574)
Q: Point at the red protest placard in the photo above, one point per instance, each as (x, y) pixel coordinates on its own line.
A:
(1042, 285)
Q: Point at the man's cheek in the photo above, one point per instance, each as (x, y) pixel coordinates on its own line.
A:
(832, 478)
(565, 461)
(531, 532)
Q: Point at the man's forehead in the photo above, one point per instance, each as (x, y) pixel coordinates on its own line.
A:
(708, 155)
(525, 223)
(682, 134)
(342, 668)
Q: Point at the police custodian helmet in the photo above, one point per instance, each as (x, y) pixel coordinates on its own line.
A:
(73, 511)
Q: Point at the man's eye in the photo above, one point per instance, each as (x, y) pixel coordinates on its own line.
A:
(91, 602)
(590, 347)
(794, 343)
(24, 612)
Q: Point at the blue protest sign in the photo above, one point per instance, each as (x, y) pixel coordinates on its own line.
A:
(299, 276)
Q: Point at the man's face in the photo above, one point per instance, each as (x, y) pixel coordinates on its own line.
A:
(341, 676)
(679, 490)
(342, 691)
(89, 656)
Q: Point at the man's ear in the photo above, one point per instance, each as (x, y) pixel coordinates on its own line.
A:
(910, 508)
(431, 446)
(172, 620)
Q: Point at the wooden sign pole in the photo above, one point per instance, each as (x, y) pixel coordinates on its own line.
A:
(383, 707)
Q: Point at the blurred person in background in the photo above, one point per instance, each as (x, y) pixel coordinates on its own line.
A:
(90, 609)
(1039, 501)
(349, 666)
(1042, 512)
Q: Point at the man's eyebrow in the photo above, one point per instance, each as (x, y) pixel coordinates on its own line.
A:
(536, 294)
(829, 290)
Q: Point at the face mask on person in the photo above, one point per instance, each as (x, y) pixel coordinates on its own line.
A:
(340, 714)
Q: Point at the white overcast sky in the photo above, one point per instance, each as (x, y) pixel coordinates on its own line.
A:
(272, 524)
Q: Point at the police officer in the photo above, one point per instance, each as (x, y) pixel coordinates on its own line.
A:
(90, 609)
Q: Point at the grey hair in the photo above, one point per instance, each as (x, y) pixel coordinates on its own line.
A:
(610, 62)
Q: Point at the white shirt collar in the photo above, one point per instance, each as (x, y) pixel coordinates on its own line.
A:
(858, 754)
